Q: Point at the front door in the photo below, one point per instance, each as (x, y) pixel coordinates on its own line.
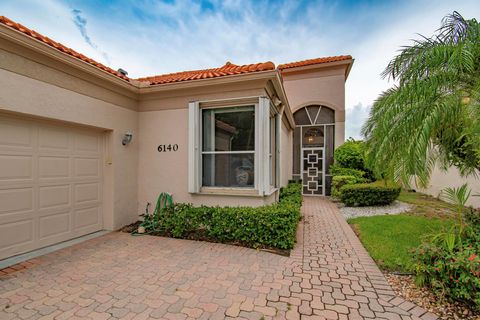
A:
(313, 171)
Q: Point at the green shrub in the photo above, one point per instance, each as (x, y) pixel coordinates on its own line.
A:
(351, 155)
(336, 170)
(340, 181)
(350, 160)
(272, 226)
(291, 193)
(369, 194)
(451, 268)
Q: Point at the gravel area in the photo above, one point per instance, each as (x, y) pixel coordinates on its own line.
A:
(405, 286)
(395, 208)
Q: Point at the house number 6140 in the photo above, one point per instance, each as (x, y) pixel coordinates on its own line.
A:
(167, 147)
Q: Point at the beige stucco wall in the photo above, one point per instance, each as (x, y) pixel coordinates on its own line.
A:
(163, 119)
(27, 96)
(323, 86)
(168, 171)
(451, 178)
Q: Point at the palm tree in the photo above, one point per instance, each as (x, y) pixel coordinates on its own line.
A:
(432, 113)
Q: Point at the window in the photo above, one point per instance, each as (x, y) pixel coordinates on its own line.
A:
(228, 147)
(233, 146)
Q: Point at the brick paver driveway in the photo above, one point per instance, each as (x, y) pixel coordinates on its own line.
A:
(328, 276)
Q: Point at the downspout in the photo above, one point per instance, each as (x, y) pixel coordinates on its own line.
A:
(278, 145)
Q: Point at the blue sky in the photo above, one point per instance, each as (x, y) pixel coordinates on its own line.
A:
(154, 37)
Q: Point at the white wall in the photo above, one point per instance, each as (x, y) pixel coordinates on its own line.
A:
(441, 180)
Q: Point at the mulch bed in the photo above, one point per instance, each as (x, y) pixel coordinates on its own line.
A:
(404, 286)
(199, 236)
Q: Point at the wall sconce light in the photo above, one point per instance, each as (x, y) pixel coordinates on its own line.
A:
(127, 138)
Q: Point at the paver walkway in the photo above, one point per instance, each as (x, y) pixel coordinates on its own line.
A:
(329, 275)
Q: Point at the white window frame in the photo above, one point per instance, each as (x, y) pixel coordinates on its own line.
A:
(202, 152)
(263, 108)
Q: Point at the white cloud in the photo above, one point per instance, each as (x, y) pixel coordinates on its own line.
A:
(355, 118)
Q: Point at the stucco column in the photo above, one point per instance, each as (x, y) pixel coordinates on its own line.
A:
(339, 127)
(339, 133)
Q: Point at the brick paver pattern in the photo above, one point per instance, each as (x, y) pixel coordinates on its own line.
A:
(328, 275)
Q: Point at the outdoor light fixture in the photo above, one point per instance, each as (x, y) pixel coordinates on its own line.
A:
(127, 138)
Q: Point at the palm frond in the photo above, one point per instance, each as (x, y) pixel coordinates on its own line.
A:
(431, 116)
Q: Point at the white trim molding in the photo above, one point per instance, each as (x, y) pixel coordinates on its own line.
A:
(193, 147)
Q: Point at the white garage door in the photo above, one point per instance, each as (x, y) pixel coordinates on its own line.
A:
(50, 183)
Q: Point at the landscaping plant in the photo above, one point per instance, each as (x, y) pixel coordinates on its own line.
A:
(336, 170)
(351, 154)
(432, 113)
(350, 168)
(369, 194)
(449, 261)
(339, 181)
(272, 226)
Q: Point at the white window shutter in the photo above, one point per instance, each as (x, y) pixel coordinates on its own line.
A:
(193, 147)
(263, 146)
(278, 148)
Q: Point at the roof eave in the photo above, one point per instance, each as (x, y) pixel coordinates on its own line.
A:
(278, 84)
(23, 40)
(347, 62)
(259, 75)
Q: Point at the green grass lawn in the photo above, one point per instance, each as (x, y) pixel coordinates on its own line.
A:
(389, 239)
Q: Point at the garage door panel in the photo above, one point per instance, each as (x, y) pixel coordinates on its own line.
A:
(87, 192)
(53, 138)
(86, 217)
(50, 183)
(18, 233)
(16, 167)
(54, 225)
(15, 133)
(54, 196)
(86, 143)
(15, 200)
(7, 218)
(53, 167)
(87, 167)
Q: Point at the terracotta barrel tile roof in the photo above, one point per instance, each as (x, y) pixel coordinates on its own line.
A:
(313, 61)
(227, 70)
(33, 34)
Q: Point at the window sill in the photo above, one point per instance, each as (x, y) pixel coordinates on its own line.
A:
(229, 192)
(271, 191)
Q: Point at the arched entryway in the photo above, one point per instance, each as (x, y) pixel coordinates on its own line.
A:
(313, 145)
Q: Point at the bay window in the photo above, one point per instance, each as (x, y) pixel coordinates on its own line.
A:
(233, 146)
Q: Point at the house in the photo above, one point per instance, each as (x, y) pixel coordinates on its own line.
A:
(84, 147)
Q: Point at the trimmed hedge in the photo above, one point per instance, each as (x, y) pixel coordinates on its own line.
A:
(340, 181)
(369, 194)
(351, 154)
(336, 170)
(350, 160)
(272, 226)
